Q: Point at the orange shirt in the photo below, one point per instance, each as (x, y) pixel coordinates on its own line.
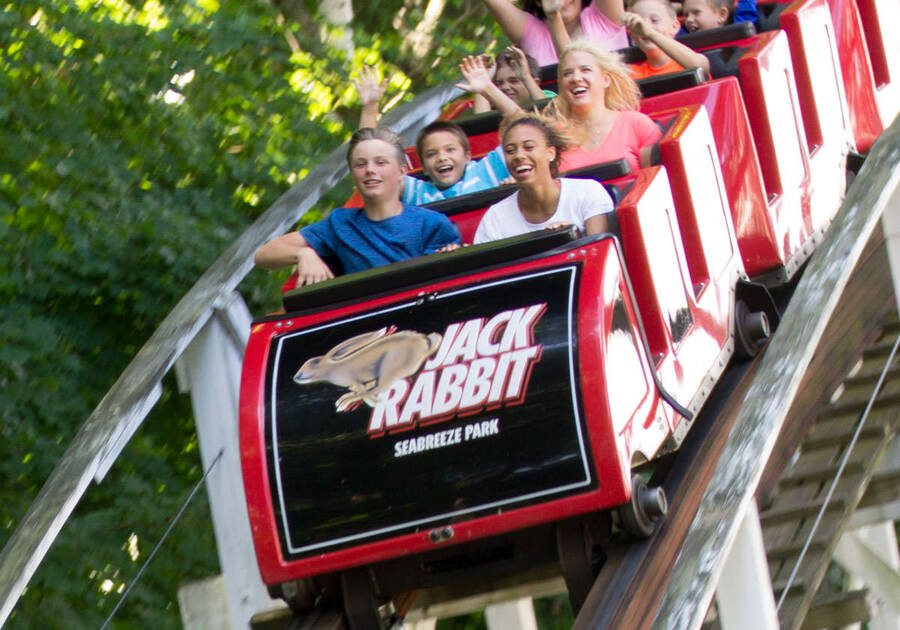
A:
(644, 69)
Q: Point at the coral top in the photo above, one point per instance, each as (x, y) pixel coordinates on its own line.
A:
(631, 132)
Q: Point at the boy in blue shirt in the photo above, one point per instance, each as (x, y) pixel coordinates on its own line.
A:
(383, 231)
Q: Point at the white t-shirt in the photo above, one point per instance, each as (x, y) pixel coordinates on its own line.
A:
(579, 200)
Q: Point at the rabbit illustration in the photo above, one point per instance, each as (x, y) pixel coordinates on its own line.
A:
(370, 363)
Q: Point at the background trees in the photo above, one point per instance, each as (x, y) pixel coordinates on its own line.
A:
(138, 139)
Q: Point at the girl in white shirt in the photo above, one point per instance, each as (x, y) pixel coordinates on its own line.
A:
(532, 148)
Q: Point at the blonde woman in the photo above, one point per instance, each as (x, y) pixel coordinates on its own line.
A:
(596, 107)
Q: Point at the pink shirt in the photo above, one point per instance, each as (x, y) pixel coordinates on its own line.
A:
(536, 40)
(631, 132)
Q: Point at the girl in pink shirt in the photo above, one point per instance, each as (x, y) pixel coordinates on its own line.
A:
(597, 106)
(540, 28)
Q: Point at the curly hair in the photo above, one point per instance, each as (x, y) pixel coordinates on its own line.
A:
(534, 8)
(547, 126)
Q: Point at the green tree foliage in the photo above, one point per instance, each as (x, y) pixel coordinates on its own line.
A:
(138, 140)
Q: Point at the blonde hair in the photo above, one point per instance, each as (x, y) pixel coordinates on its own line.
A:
(622, 93)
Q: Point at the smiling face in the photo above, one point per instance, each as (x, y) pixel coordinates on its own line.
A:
(505, 78)
(528, 155)
(701, 15)
(377, 173)
(582, 83)
(444, 158)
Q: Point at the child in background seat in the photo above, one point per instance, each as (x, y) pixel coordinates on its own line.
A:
(517, 75)
(653, 25)
(443, 149)
(702, 15)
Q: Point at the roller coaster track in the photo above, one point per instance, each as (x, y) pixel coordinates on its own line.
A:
(750, 430)
(736, 451)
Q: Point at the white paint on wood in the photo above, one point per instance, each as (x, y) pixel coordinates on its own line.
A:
(890, 221)
(211, 368)
(870, 555)
(514, 615)
(204, 605)
(744, 594)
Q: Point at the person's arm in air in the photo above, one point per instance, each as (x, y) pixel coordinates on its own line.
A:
(478, 80)
(370, 91)
(612, 9)
(480, 104)
(556, 26)
(510, 18)
(523, 72)
(687, 58)
(289, 250)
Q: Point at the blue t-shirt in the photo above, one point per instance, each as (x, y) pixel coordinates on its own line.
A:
(480, 175)
(360, 243)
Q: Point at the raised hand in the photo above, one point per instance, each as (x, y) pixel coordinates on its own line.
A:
(636, 25)
(369, 88)
(476, 75)
(518, 62)
(551, 6)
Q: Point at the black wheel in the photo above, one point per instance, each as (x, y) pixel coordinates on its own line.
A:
(639, 516)
(751, 329)
(579, 544)
(363, 608)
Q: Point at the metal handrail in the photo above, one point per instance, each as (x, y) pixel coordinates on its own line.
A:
(124, 407)
(733, 485)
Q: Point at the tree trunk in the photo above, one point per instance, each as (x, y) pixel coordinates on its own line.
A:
(339, 13)
(421, 39)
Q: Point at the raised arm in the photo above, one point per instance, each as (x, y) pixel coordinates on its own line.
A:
(612, 9)
(478, 80)
(558, 32)
(289, 250)
(480, 104)
(520, 66)
(510, 18)
(370, 92)
(687, 58)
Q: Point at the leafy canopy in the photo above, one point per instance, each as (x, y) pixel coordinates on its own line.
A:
(139, 139)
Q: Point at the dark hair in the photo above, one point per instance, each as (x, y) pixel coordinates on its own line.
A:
(534, 8)
(442, 125)
(547, 128)
(508, 57)
(382, 133)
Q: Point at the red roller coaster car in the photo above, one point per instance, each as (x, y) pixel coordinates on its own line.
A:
(467, 414)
